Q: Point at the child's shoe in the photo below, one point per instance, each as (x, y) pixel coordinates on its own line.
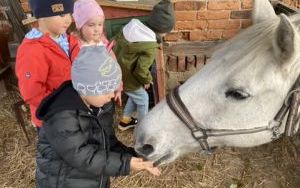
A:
(124, 126)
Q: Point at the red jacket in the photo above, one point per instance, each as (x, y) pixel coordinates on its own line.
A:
(41, 66)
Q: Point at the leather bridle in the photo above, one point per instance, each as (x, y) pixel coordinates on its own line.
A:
(201, 134)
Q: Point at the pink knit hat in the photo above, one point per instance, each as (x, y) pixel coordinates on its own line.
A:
(84, 10)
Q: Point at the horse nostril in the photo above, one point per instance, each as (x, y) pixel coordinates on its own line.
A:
(146, 149)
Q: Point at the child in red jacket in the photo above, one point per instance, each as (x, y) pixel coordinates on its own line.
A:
(44, 58)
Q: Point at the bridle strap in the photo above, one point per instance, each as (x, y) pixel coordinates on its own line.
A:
(201, 134)
(197, 130)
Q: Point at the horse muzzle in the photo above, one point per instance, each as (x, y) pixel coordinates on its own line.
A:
(147, 152)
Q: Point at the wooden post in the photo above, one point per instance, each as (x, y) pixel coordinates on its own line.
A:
(160, 73)
(20, 120)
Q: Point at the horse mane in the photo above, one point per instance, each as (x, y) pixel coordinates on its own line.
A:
(254, 39)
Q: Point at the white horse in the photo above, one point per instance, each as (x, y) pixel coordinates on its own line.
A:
(235, 97)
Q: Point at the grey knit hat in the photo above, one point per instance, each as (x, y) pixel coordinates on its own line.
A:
(94, 72)
(161, 18)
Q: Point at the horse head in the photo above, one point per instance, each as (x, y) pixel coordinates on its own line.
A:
(240, 91)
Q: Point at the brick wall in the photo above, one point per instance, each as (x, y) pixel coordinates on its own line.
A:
(207, 20)
(292, 3)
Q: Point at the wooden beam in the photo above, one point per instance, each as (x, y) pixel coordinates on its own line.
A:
(160, 74)
(190, 48)
(137, 5)
(3, 91)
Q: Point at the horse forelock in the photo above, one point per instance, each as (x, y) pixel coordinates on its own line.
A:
(251, 41)
(241, 50)
(247, 55)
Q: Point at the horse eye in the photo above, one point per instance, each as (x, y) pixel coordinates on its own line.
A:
(237, 94)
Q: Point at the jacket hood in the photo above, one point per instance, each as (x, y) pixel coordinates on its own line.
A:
(63, 98)
(47, 42)
(136, 31)
(134, 47)
(36, 37)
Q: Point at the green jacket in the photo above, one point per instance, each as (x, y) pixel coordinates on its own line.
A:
(135, 59)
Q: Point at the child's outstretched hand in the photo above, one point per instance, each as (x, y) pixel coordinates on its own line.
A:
(139, 164)
(147, 86)
(118, 94)
(118, 98)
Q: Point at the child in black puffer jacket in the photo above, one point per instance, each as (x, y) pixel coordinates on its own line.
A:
(77, 147)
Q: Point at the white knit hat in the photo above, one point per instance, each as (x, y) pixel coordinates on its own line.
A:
(136, 31)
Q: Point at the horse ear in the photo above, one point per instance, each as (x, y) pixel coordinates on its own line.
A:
(262, 10)
(284, 44)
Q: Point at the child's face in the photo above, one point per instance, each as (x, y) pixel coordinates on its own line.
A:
(55, 25)
(93, 29)
(99, 100)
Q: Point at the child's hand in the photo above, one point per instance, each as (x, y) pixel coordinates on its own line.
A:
(147, 86)
(118, 94)
(118, 98)
(110, 45)
(138, 164)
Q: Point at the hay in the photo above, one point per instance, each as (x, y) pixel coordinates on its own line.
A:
(272, 165)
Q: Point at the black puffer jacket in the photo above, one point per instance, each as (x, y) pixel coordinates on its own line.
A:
(77, 147)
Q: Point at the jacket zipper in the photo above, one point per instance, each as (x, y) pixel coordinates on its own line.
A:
(68, 56)
(59, 174)
(103, 138)
(104, 146)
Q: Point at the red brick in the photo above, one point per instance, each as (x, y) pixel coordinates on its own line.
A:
(291, 3)
(185, 15)
(198, 35)
(234, 24)
(287, 1)
(213, 15)
(246, 23)
(190, 5)
(172, 36)
(217, 24)
(205, 35)
(295, 3)
(200, 24)
(190, 25)
(214, 34)
(224, 5)
(229, 33)
(247, 4)
(224, 24)
(240, 14)
(185, 25)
